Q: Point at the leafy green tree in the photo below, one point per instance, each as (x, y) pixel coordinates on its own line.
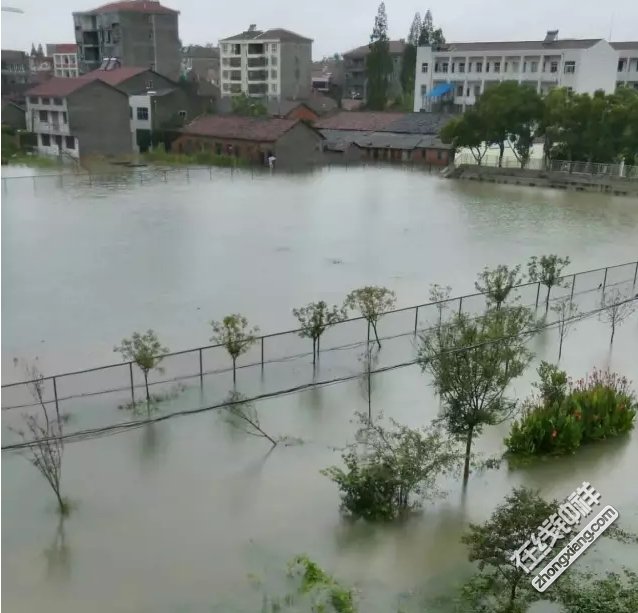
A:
(552, 121)
(408, 63)
(379, 63)
(500, 585)
(472, 362)
(497, 283)
(247, 106)
(146, 351)
(547, 270)
(429, 35)
(440, 295)
(235, 335)
(372, 302)
(467, 130)
(314, 318)
(389, 471)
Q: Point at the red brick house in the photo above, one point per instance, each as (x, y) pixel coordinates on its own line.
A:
(252, 139)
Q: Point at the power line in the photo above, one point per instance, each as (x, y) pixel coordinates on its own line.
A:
(91, 433)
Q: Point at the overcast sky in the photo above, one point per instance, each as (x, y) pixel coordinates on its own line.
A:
(339, 25)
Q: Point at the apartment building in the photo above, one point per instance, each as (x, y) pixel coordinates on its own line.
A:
(356, 80)
(65, 60)
(79, 117)
(627, 74)
(458, 73)
(274, 63)
(200, 63)
(15, 73)
(135, 32)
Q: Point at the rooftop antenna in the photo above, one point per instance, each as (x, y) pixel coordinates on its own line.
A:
(611, 26)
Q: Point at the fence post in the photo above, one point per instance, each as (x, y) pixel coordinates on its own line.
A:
(130, 370)
(416, 319)
(571, 297)
(460, 304)
(605, 280)
(262, 352)
(187, 174)
(538, 293)
(636, 274)
(55, 395)
(210, 172)
(201, 368)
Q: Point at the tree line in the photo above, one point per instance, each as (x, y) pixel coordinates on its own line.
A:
(598, 128)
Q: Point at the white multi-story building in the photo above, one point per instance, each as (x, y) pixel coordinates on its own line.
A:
(65, 60)
(460, 72)
(627, 74)
(275, 64)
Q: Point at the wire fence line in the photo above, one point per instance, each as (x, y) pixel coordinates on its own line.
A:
(287, 347)
(132, 424)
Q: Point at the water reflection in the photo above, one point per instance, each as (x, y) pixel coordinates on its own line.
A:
(58, 555)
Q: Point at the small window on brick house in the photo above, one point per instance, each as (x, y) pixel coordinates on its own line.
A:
(70, 142)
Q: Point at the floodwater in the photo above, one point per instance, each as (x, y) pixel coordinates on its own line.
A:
(174, 516)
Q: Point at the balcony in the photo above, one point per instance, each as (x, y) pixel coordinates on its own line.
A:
(90, 38)
(257, 75)
(257, 62)
(235, 62)
(235, 75)
(256, 49)
(260, 89)
(51, 127)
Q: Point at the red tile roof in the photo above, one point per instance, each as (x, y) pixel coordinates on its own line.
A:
(241, 128)
(57, 87)
(355, 120)
(66, 48)
(115, 76)
(135, 6)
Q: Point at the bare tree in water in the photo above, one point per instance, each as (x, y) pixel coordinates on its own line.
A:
(617, 308)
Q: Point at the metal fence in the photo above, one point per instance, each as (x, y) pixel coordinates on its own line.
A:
(590, 169)
(278, 361)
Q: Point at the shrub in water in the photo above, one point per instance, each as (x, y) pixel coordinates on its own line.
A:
(569, 414)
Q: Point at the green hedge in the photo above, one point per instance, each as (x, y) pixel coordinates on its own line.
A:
(203, 158)
(570, 414)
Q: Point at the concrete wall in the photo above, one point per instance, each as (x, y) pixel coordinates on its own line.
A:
(600, 65)
(99, 118)
(14, 117)
(299, 146)
(295, 70)
(138, 83)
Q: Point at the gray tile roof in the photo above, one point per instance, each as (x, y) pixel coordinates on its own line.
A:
(338, 140)
(405, 123)
(272, 34)
(197, 51)
(522, 45)
(396, 47)
(625, 45)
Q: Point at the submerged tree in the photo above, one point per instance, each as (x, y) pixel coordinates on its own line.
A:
(547, 270)
(497, 283)
(146, 351)
(45, 440)
(566, 315)
(617, 308)
(379, 63)
(235, 335)
(500, 585)
(472, 361)
(389, 471)
(314, 318)
(440, 295)
(372, 302)
(243, 416)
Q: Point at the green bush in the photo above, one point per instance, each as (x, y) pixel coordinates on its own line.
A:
(569, 414)
(201, 158)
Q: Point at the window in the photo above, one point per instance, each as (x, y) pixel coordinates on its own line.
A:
(273, 47)
(218, 148)
(570, 67)
(467, 92)
(479, 66)
(149, 84)
(439, 154)
(445, 66)
(477, 91)
(33, 99)
(497, 67)
(452, 67)
(469, 67)
(225, 61)
(424, 90)
(181, 115)
(225, 47)
(226, 86)
(461, 66)
(273, 88)
(46, 101)
(64, 119)
(273, 74)
(534, 67)
(70, 142)
(524, 66)
(459, 90)
(142, 113)
(57, 101)
(621, 64)
(437, 67)
(424, 67)
(224, 74)
(46, 140)
(43, 115)
(515, 66)
(487, 66)
(553, 67)
(273, 60)
(505, 66)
